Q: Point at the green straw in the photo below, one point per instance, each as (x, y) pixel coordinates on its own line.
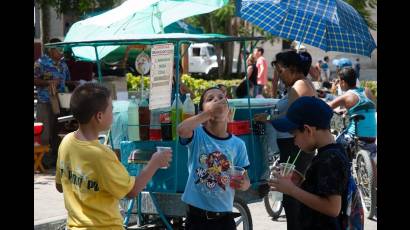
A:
(300, 150)
(284, 171)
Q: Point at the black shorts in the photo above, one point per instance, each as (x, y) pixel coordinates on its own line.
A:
(288, 148)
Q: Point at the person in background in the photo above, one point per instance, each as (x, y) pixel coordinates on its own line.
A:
(50, 73)
(325, 92)
(262, 66)
(292, 68)
(319, 69)
(357, 67)
(326, 69)
(183, 89)
(242, 89)
(80, 71)
(340, 64)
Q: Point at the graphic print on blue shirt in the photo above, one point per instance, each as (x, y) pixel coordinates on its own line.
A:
(209, 159)
(214, 170)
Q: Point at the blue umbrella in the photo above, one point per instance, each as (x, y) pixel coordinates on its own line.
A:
(331, 25)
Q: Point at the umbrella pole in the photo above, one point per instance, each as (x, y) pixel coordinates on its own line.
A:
(249, 99)
(98, 65)
(158, 15)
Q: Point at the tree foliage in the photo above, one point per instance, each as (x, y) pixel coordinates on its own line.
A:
(78, 7)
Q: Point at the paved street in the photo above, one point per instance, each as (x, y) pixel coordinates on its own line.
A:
(49, 207)
(262, 221)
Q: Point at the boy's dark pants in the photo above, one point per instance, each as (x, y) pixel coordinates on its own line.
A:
(292, 206)
(197, 221)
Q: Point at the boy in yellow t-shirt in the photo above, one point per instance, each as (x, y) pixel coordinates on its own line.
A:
(89, 173)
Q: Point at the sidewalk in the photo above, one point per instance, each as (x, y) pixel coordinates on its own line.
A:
(49, 210)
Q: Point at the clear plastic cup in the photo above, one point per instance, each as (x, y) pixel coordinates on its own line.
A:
(286, 169)
(162, 149)
(235, 173)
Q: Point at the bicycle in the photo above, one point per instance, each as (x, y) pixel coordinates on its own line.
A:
(273, 206)
(364, 168)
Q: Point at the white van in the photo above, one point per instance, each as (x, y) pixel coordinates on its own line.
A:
(202, 59)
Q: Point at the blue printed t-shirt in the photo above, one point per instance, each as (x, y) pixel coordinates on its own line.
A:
(45, 69)
(209, 158)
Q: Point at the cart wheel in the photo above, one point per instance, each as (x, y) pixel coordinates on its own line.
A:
(273, 207)
(245, 220)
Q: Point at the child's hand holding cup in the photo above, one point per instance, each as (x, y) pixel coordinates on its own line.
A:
(236, 176)
(285, 170)
(163, 156)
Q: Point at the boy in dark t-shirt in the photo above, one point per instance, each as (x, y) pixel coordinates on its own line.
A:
(323, 192)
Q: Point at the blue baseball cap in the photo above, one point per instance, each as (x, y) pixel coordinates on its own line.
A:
(305, 111)
(342, 62)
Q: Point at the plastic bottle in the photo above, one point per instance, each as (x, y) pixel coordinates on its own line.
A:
(133, 120)
(144, 115)
(188, 109)
(166, 124)
(174, 115)
(155, 126)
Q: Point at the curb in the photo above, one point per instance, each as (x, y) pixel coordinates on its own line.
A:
(52, 223)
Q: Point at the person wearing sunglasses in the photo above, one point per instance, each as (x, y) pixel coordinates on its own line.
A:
(51, 75)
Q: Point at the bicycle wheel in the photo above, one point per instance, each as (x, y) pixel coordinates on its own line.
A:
(273, 207)
(245, 220)
(366, 182)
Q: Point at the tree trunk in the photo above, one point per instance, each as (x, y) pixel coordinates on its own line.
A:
(45, 24)
(228, 49)
(240, 55)
(219, 59)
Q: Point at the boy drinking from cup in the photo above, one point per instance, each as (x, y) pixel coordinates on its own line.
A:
(213, 155)
(323, 192)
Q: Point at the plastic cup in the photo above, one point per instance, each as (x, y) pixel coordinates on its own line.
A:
(286, 169)
(162, 149)
(235, 173)
(275, 195)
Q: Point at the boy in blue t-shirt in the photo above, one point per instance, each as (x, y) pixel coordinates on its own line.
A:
(212, 152)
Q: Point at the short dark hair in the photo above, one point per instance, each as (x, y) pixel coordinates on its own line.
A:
(260, 49)
(348, 75)
(327, 84)
(201, 101)
(306, 59)
(326, 58)
(87, 100)
(290, 59)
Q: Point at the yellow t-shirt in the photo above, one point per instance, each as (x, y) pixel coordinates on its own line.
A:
(93, 181)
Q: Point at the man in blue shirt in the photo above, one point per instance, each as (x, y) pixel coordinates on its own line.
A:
(50, 71)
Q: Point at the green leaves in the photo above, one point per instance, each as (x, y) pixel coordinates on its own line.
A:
(198, 86)
(372, 85)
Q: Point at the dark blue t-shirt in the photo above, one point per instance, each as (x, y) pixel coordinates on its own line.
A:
(327, 175)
